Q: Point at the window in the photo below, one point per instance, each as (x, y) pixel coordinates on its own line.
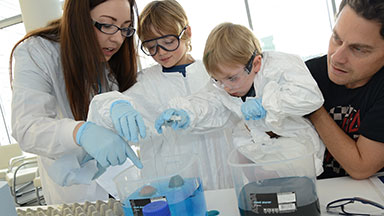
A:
(296, 26)
(8, 38)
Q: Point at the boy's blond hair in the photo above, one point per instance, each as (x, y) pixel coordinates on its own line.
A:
(228, 44)
(164, 17)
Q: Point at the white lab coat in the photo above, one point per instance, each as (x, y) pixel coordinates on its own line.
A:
(149, 96)
(42, 121)
(288, 92)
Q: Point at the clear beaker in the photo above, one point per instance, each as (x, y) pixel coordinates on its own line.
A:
(175, 179)
(275, 178)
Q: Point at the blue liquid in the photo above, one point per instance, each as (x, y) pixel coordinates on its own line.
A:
(187, 200)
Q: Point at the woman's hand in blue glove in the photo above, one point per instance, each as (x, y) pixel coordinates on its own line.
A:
(127, 121)
(107, 147)
(177, 119)
(100, 170)
(253, 109)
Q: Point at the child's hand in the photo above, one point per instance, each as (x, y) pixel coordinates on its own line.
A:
(253, 109)
(177, 119)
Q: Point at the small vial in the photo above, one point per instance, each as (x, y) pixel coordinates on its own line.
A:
(158, 208)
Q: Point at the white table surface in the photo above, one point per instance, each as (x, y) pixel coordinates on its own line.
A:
(225, 200)
(327, 189)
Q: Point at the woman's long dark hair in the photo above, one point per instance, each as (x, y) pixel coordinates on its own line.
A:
(81, 56)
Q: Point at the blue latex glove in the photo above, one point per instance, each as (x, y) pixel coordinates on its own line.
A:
(74, 170)
(177, 119)
(127, 121)
(253, 109)
(100, 170)
(107, 147)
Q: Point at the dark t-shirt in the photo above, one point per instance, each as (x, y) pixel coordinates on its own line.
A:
(357, 111)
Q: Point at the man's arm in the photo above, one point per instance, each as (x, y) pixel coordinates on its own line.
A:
(361, 158)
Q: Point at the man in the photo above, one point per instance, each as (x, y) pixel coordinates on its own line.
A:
(351, 78)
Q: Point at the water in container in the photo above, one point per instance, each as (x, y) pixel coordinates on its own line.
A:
(175, 179)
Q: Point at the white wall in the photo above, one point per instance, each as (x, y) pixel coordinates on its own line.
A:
(293, 29)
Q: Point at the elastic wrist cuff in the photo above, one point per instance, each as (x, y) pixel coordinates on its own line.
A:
(80, 132)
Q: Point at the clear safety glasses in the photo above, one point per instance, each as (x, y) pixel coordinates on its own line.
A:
(236, 80)
(167, 42)
(111, 29)
(338, 207)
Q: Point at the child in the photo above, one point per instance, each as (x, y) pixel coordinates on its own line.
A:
(166, 36)
(273, 89)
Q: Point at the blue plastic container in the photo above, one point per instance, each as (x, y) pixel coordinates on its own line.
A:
(175, 180)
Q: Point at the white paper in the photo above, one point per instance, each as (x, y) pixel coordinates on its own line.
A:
(378, 182)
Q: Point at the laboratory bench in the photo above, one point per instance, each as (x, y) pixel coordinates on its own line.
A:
(327, 190)
(225, 201)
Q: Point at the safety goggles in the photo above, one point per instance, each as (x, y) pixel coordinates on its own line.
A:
(111, 29)
(237, 80)
(167, 42)
(338, 207)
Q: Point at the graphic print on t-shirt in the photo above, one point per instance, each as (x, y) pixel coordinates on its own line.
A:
(348, 118)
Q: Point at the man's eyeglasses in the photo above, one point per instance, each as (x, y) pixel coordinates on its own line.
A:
(167, 42)
(112, 29)
(338, 206)
(231, 81)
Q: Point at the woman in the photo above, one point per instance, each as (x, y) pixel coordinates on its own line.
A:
(58, 69)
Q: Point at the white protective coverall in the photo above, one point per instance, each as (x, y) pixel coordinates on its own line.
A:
(42, 121)
(288, 92)
(149, 96)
